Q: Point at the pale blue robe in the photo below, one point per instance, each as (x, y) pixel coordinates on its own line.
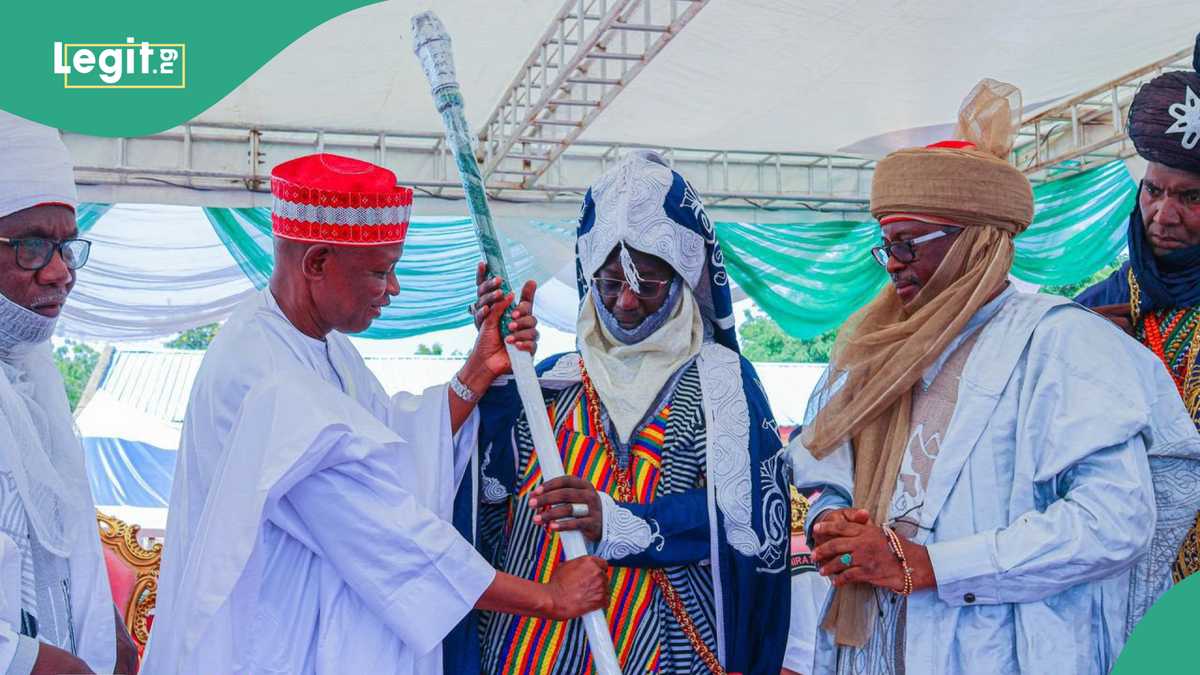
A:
(1041, 508)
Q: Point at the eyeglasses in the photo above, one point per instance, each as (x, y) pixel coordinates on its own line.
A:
(34, 253)
(906, 251)
(609, 287)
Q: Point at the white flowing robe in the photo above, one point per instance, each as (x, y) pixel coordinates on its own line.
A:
(309, 528)
(91, 612)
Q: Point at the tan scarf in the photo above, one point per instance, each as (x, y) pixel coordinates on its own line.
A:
(884, 351)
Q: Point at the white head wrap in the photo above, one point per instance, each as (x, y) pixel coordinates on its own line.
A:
(37, 433)
(38, 442)
(629, 208)
(35, 167)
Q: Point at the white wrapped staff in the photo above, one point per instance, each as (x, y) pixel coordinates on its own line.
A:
(431, 44)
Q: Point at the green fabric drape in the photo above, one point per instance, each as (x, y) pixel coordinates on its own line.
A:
(87, 213)
(810, 277)
(807, 277)
(436, 273)
(1079, 226)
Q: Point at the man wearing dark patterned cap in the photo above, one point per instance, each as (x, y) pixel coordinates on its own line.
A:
(1155, 296)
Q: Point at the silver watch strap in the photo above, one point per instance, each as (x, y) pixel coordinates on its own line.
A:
(462, 391)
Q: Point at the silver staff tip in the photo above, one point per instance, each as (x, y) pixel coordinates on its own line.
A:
(427, 28)
(431, 44)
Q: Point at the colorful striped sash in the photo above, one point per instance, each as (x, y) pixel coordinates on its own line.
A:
(534, 645)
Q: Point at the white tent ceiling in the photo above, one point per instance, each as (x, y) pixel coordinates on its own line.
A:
(744, 74)
(358, 70)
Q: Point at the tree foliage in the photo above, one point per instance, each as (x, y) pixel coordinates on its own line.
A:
(763, 340)
(75, 361)
(1072, 290)
(195, 338)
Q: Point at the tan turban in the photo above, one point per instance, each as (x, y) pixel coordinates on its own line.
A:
(885, 347)
(971, 182)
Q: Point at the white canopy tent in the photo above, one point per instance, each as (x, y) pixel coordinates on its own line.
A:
(748, 77)
(744, 74)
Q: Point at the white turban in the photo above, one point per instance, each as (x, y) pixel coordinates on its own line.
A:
(35, 167)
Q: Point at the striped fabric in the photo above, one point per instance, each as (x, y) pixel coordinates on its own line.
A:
(666, 455)
(15, 524)
(341, 215)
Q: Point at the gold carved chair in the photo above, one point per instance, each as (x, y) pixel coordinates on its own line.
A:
(1188, 560)
(801, 557)
(133, 574)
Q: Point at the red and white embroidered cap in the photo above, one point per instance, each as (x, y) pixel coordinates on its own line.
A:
(326, 198)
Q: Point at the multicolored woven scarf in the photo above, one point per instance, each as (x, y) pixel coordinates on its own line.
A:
(533, 645)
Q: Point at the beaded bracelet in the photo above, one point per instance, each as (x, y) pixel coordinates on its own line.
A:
(894, 541)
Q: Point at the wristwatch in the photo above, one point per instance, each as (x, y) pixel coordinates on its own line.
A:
(462, 391)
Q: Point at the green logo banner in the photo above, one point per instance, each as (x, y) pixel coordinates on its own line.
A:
(137, 68)
(1164, 640)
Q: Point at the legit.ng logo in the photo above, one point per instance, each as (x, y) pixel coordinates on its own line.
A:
(121, 65)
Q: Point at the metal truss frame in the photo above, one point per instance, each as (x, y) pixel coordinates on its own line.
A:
(590, 52)
(1088, 129)
(217, 158)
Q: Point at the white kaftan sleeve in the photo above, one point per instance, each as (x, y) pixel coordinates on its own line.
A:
(1082, 425)
(24, 656)
(833, 476)
(408, 565)
(424, 420)
(1099, 527)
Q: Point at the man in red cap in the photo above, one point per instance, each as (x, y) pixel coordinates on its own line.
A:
(309, 524)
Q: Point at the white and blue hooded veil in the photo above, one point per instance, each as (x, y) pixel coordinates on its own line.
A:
(740, 520)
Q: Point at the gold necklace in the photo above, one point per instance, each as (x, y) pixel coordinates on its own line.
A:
(1190, 391)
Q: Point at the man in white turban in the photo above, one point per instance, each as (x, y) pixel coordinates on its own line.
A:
(56, 609)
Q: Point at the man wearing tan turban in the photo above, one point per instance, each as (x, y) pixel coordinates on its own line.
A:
(987, 501)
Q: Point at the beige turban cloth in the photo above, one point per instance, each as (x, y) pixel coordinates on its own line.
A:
(885, 347)
(35, 167)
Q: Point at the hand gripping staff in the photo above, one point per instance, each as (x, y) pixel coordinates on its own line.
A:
(432, 46)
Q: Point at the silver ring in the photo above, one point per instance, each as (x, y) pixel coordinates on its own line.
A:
(579, 510)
